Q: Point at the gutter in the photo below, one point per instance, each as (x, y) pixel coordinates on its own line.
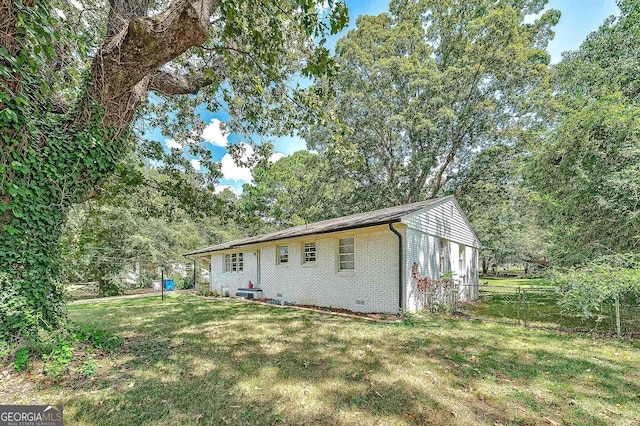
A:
(288, 237)
(400, 286)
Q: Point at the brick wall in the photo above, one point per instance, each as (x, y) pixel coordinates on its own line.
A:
(371, 287)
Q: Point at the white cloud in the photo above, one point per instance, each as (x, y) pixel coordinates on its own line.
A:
(214, 134)
(232, 171)
(195, 164)
(276, 156)
(173, 144)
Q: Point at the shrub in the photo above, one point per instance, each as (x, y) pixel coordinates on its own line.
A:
(89, 367)
(21, 359)
(100, 339)
(57, 362)
(145, 279)
(589, 288)
(408, 318)
(185, 283)
(111, 286)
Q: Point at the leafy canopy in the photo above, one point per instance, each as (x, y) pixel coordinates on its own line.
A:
(424, 87)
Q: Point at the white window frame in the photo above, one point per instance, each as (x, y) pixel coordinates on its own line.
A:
(343, 243)
(280, 258)
(233, 263)
(309, 252)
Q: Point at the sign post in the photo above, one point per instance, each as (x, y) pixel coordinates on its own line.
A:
(162, 281)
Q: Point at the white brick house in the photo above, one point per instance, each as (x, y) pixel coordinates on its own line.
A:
(361, 262)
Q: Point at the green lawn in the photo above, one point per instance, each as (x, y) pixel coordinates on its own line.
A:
(536, 302)
(194, 361)
(517, 282)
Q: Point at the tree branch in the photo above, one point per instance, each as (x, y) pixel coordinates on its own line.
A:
(179, 84)
(121, 12)
(148, 43)
(123, 67)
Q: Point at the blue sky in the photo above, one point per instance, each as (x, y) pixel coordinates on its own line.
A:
(579, 18)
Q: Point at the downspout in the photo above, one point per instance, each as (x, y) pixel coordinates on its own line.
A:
(400, 267)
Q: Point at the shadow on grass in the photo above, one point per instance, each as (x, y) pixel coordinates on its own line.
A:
(227, 362)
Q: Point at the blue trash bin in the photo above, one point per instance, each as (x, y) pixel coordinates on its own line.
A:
(168, 285)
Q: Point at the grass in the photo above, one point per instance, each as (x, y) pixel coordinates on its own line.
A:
(536, 302)
(517, 282)
(194, 361)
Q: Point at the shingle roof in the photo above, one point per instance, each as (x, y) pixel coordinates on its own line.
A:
(358, 220)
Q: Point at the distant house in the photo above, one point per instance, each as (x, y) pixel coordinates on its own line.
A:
(364, 262)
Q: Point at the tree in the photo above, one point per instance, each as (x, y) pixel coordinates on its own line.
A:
(423, 88)
(585, 169)
(139, 226)
(294, 190)
(499, 207)
(74, 80)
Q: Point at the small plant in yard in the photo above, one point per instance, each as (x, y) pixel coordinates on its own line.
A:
(145, 279)
(408, 318)
(185, 283)
(89, 367)
(204, 291)
(21, 359)
(97, 338)
(57, 362)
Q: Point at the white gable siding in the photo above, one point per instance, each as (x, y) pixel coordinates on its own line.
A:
(374, 280)
(423, 249)
(444, 220)
(425, 231)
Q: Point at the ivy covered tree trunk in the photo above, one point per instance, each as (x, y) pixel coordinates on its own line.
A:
(52, 170)
(70, 90)
(52, 157)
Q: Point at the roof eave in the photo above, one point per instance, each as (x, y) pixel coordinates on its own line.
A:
(235, 246)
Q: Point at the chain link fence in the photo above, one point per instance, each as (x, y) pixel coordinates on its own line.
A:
(531, 306)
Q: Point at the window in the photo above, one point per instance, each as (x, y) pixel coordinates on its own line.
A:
(282, 255)
(309, 252)
(346, 260)
(233, 262)
(444, 267)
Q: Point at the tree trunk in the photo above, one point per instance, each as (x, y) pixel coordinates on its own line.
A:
(49, 162)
